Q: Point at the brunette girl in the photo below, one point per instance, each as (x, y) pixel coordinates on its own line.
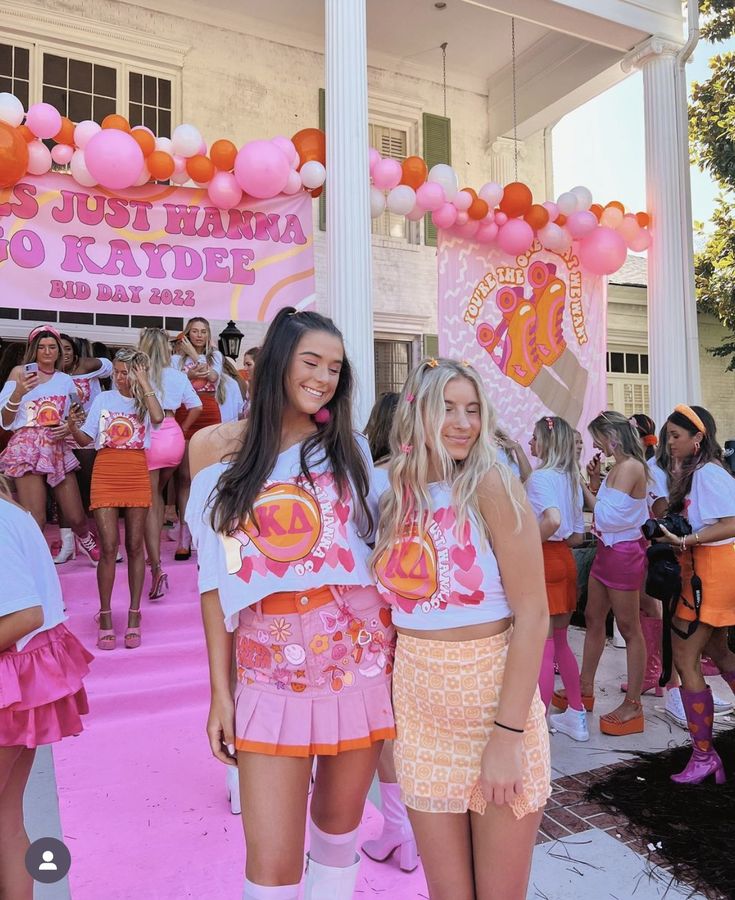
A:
(34, 403)
(118, 424)
(167, 444)
(202, 364)
(555, 495)
(458, 557)
(285, 527)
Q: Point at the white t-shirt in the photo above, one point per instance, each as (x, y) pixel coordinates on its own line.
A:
(712, 497)
(88, 385)
(44, 406)
(618, 516)
(233, 407)
(113, 422)
(176, 390)
(201, 385)
(658, 487)
(29, 574)
(550, 489)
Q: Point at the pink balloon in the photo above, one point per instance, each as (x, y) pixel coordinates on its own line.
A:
(468, 230)
(641, 242)
(551, 237)
(387, 174)
(39, 158)
(373, 158)
(286, 147)
(262, 169)
(179, 164)
(462, 201)
(293, 185)
(114, 159)
(430, 196)
(61, 154)
(143, 178)
(224, 191)
(84, 132)
(552, 209)
(462, 218)
(515, 237)
(602, 252)
(629, 229)
(487, 232)
(581, 223)
(416, 214)
(500, 218)
(43, 120)
(445, 216)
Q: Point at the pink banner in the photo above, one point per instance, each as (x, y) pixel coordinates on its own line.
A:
(153, 250)
(534, 326)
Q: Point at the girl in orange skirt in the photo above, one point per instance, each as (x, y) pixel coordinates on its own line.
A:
(704, 491)
(202, 365)
(555, 494)
(118, 424)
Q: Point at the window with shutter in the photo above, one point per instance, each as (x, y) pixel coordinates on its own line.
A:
(629, 395)
(390, 143)
(393, 362)
(430, 345)
(437, 149)
(15, 75)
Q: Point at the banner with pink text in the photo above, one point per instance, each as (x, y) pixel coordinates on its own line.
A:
(153, 250)
(534, 327)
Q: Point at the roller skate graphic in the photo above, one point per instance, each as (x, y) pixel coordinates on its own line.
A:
(549, 297)
(517, 357)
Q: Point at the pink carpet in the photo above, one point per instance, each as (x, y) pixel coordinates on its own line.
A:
(143, 805)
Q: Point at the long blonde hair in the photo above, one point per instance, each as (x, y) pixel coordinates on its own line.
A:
(221, 391)
(556, 448)
(616, 428)
(415, 442)
(154, 343)
(132, 358)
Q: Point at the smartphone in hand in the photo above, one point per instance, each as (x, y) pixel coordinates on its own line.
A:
(31, 368)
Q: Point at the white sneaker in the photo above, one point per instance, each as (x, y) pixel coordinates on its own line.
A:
(723, 707)
(674, 708)
(572, 722)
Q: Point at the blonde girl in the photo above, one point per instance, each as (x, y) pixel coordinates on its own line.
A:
(458, 557)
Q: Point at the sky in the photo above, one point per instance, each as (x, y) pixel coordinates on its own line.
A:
(601, 144)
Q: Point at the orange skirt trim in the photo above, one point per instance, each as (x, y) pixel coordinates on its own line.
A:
(120, 480)
(285, 603)
(211, 414)
(715, 565)
(560, 574)
(382, 734)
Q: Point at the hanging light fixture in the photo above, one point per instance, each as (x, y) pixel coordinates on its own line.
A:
(230, 339)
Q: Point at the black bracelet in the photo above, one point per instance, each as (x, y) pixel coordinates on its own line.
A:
(508, 728)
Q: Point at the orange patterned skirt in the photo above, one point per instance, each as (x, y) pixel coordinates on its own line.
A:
(445, 695)
(120, 479)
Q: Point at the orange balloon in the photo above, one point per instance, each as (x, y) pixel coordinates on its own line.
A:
(560, 220)
(160, 165)
(13, 155)
(144, 139)
(517, 199)
(597, 210)
(478, 209)
(617, 204)
(311, 144)
(537, 216)
(115, 121)
(26, 133)
(223, 153)
(200, 169)
(643, 219)
(415, 171)
(317, 192)
(66, 132)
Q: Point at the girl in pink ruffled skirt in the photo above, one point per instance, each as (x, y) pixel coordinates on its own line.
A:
(42, 666)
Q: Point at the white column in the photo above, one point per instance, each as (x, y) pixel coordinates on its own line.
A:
(349, 256)
(673, 341)
(502, 159)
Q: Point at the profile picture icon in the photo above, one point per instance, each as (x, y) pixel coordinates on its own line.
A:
(48, 864)
(48, 860)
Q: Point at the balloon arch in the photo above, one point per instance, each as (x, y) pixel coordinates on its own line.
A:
(117, 157)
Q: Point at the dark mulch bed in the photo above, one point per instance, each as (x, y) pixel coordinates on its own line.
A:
(692, 828)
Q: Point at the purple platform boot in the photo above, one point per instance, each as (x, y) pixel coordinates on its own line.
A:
(704, 760)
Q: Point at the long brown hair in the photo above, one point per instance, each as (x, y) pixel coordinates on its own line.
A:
(709, 451)
(334, 442)
(32, 348)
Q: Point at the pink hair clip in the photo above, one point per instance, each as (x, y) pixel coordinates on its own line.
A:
(549, 422)
(406, 448)
(410, 398)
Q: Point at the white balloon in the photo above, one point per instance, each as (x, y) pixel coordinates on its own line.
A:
(180, 177)
(445, 175)
(11, 109)
(463, 201)
(165, 144)
(567, 203)
(491, 193)
(186, 141)
(39, 158)
(401, 200)
(313, 174)
(583, 195)
(416, 214)
(79, 170)
(143, 178)
(377, 202)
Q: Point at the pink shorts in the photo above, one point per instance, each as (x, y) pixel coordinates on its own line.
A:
(31, 451)
(622, 566)
(167, 445)
(317, 680)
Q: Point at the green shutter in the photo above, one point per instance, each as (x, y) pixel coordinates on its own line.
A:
(323, 127)
(430, 345)
(437, 149)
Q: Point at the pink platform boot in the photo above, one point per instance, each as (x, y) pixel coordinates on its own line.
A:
(652, 629)
(704, 760)
(397, 833)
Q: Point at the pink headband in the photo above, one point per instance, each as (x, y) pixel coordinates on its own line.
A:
(39, 328)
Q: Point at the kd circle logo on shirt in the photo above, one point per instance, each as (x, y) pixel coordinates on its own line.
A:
(119, 431)
(288, 523)
(48, 413)
(410, 569)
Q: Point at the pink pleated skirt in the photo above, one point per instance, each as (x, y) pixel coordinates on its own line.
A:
(621, 567)
(32, 451)
(42, 697)
(315, 681)
(167, 445)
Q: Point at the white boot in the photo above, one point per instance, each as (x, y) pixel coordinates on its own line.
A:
(329, 883)
(233, 790)
(68, 546)
(397, 833)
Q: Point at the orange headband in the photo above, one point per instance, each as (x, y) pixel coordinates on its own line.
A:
(650, 440)
(689, 413)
